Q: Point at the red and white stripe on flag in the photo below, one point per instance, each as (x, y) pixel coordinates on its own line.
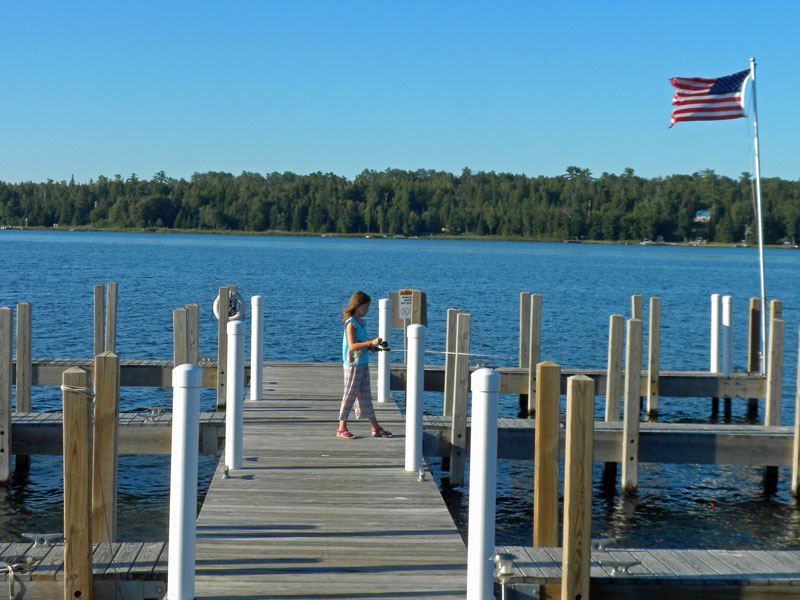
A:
(706, 99)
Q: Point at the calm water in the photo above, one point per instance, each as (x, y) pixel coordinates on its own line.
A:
(306, 281)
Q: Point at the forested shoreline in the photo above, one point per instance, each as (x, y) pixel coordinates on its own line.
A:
(572, 206)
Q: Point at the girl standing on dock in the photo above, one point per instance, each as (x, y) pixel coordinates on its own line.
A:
(355, 360)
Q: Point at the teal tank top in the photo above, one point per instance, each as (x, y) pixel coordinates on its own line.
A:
(359, 357)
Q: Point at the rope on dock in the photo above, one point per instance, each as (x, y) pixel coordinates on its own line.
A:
(86, 391)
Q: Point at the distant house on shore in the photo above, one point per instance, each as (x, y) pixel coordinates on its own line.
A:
(702, 216)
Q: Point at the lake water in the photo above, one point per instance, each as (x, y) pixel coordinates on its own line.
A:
(306, 281)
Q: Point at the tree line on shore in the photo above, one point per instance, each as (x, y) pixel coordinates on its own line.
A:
(575, 205)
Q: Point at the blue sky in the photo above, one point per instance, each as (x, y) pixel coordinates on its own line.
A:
(104, 88)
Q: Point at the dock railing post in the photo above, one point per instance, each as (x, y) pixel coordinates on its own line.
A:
(180, 337)
(77, 435)
(576, 559)
(633, 388)
(384, 364)
(653, 357)
(234, 409)
(193, 331)
(105, 448)
(225, 292)
(796, 445)
(524, 344)
(6, 356)
(613, 385)
(727, 346)
(754, 351)
(414, 389)
(186, 381)
(772, 409)
(535, 338)
(714, 350)
(482, 484)
(110, 339)
(458, 431)
(256, 348)
(545, 470)
(98, 313)
(24, 351)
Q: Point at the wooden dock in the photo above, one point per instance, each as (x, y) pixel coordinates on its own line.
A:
(633, 574)
(313, 516)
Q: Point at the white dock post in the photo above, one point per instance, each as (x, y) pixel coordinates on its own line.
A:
(234, 399)
(415, 376)
(384, 332)
(186, 381)
(482, 484)
(714, 366)
(256, 348)
(727, 335)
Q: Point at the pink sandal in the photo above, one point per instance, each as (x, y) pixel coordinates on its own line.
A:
(344, 434)
(381, 432)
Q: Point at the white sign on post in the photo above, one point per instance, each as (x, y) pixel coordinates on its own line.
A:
(404, 305)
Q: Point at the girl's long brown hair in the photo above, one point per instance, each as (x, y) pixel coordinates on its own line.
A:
(356, 300)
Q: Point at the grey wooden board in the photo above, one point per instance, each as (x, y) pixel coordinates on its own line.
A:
(311, 516)
(139, 433)
(693, 443)
(669, 567)
(130, 560)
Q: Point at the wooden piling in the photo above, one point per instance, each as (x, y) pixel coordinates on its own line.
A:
(772, 409)
(545, 471)
(754, 351)
(449, 361)
(630, 439)
(636, 307)
(534, 350)
(77, 485)
(98, 314)
(105, 448)
(458, 433)
(6, 361)
(110, 342)
(24, 366)
(576, 561)
(796, 448)
(193, 332)
(653, 356)
(225, 292)
(613, 384)
(180, 337)
(524, 344)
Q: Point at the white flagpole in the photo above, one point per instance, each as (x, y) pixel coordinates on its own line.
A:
(760, 221)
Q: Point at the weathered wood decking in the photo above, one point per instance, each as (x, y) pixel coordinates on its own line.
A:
(655, 574)
(313, 516)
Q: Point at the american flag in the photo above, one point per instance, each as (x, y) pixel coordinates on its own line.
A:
(704, 99)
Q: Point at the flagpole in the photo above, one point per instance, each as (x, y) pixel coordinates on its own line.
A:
(760, 221)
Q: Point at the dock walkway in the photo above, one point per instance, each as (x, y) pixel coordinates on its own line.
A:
(313, 516)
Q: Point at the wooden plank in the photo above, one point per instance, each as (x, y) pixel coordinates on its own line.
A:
(534, 337)
(193, 332)
(180, 337)
(450, 361)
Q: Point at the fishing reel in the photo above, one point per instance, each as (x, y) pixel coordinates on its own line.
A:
(382, 347)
